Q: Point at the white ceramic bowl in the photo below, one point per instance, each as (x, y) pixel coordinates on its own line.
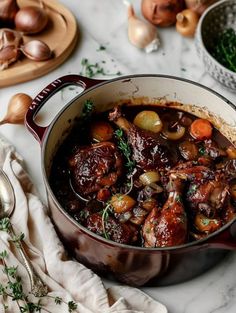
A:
(217, 18)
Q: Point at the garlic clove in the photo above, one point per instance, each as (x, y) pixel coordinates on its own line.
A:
(10, 41)
(36, 50)
(141, 34)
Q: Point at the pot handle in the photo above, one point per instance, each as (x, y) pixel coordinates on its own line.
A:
(39, 131)
(225, 240)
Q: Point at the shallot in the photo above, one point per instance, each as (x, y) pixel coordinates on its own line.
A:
(17, 108)
(141, 34)
(31, 19)
(186, 22)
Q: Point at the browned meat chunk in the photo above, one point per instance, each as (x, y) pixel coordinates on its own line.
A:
(94, 167)
(149, 150)
(116, 231)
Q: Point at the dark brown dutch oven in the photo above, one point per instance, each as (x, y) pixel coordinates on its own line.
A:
(133, 265)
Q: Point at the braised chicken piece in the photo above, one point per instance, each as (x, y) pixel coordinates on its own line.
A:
(149, 150)
(208, 196)
(95, 166)
(167, 226)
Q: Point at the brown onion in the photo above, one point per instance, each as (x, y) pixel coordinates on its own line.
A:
(161, 12)
(31, 19)
(17, 108)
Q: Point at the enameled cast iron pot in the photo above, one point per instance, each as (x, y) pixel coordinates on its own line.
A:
(133, 265)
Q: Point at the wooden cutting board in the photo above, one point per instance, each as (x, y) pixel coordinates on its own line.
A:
(60, 35)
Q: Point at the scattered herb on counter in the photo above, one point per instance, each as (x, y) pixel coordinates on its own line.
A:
(91, 70)
(13, 288)
(101, 48)
(224, 49)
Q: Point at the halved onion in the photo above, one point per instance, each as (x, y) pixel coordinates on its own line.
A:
(148, 120)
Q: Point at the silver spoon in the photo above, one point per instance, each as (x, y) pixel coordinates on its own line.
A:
(7, 205)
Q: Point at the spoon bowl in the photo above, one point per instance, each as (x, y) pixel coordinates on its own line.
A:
(7, 196)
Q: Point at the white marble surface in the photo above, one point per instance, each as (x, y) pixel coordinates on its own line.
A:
(104, 22)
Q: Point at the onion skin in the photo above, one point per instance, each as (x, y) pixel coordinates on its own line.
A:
(31, 19)
(161, 12)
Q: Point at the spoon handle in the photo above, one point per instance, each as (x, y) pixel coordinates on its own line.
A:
(38, 288)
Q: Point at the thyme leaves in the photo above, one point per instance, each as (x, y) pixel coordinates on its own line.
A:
(13, 290)
(125, 149)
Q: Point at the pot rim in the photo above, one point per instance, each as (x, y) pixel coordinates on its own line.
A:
(84, 229)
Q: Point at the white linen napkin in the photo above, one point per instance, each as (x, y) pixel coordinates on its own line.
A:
(65, 278)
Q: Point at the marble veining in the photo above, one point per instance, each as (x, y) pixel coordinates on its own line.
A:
(104, 22)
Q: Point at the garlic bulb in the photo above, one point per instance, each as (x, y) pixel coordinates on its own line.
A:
(141, 34)
(10, 41)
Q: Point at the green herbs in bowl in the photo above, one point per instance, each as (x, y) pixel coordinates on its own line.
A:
(224, 49)
(216, 42)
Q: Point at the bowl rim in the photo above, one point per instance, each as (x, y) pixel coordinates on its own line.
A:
(188, 245)
(199, 36)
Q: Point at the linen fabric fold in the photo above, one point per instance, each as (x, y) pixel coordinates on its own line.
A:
(67, 279)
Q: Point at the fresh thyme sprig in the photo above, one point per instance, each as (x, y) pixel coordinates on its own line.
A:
(13, 288)
(88, 109)
(125, 149)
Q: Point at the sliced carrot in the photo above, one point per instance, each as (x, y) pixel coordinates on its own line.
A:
(201, 129)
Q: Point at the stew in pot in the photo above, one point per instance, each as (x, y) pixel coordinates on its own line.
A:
(146, 175)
